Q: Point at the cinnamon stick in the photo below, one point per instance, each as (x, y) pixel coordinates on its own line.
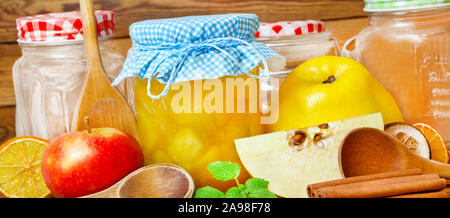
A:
(447, 189)
(312, 188)
(384, 187)
(436, 194)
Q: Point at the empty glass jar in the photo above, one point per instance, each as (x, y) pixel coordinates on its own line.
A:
(49, 77)
(297, 42)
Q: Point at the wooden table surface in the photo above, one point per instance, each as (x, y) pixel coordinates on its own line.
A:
(344, 18)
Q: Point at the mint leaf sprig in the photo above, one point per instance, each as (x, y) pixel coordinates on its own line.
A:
(225, 171)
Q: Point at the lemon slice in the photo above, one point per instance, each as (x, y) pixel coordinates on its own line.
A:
(20, 168)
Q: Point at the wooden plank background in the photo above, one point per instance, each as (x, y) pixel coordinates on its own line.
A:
(345, 18)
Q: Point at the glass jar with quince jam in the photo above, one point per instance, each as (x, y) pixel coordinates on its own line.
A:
(195, 92)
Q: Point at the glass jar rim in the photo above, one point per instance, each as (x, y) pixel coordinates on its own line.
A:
(295, 39)
(58, 43)
(406, 9)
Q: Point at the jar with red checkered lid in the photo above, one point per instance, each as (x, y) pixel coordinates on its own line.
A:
(297, 42)
(49, 76)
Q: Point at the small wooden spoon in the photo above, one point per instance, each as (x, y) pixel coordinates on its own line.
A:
(369, 151)
(153, 181)
(101, 105)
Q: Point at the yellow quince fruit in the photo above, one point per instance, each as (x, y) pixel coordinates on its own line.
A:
(330, 88)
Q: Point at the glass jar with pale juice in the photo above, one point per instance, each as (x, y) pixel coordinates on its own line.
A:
(407, 48)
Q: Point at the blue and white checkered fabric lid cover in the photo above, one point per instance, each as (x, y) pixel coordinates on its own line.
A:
(194, 47)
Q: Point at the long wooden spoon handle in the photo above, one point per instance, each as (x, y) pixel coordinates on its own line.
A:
(442, 169)
(90, 34)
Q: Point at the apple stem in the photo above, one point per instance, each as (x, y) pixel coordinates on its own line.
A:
(330, 79)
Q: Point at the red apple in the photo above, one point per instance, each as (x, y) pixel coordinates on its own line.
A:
(81, 163)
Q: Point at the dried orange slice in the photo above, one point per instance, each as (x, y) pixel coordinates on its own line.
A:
(20, 168)
(439, 151)
(411, 137)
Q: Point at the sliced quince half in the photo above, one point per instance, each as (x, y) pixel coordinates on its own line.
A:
(291, 160)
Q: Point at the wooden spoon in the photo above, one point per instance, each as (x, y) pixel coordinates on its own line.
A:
(369, 150)
(101, 105)
(153, 181)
